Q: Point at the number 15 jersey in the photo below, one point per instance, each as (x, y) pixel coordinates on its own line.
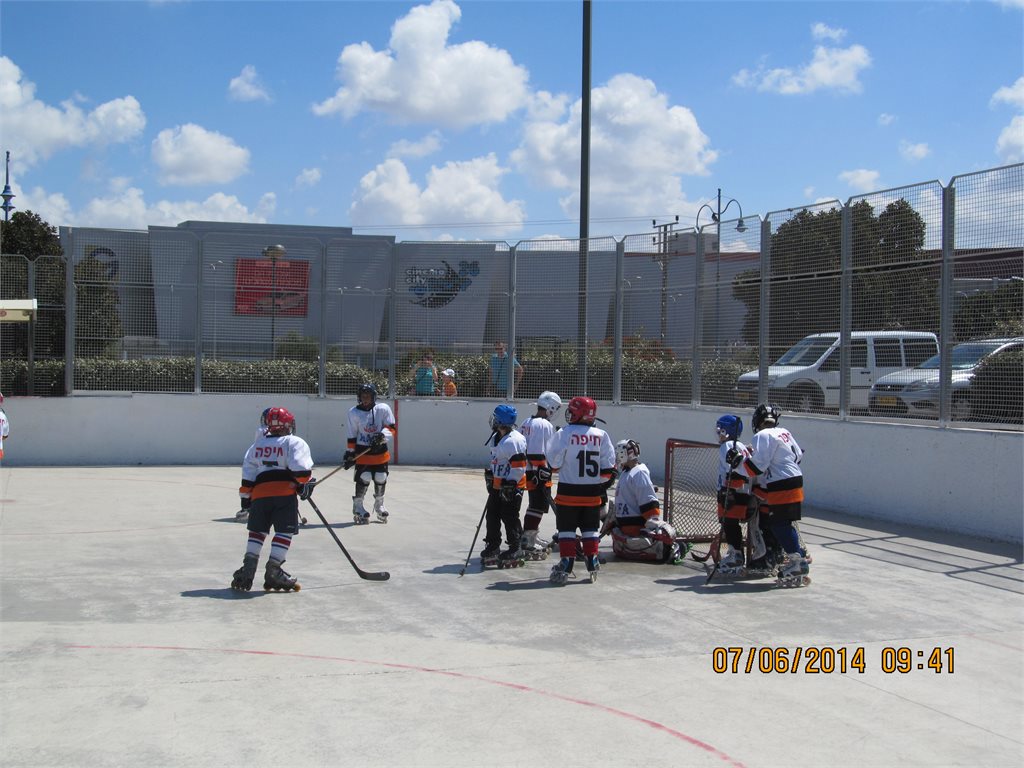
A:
(584, 457)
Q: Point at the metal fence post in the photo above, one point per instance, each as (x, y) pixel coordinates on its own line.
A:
(31, 337)
(764, 293)
(322, 374)
(513, 258)
(198, 379)
(620, 267)
(946, 302)
(70, 302)
(698, 321)
(845, 306)
(392, 331)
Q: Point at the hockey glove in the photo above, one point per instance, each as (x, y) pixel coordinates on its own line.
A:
(654, 524)
(510, 491)
(246, 502)
(378, 440)
(544, 475)
(349, 459)
(734, 457)
(306, 489)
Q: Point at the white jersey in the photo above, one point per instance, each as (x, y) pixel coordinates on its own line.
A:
(538, 432)
(636, 501)
(5, 430)
(275, 465)
(584, 457)
(508, 460)
(363, 425)
(775, 461)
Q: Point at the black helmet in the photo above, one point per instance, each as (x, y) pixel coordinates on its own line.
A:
(364, 388)
(765, 415)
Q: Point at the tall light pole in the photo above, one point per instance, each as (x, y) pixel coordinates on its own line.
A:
(7, 193)
(661, 240)
(716, 216)
(273, 252)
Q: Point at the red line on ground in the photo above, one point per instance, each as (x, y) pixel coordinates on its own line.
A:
(692, 741)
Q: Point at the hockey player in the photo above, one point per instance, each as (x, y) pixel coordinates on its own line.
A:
(506, 478)
(5, 426)
(276, 467)
(584, 457)
(637, 529)
(538, 431)
(733, 492)
(242, 515)
(371, 432)
(774, 459)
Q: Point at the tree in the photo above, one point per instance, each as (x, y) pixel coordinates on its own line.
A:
(98, 321)
(30, 237)
(893, 287)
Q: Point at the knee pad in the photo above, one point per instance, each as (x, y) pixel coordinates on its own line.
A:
(365, 477)
(379, 478)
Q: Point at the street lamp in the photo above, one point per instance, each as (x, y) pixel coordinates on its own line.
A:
(273, 252)
(661, 240)
(716, 216)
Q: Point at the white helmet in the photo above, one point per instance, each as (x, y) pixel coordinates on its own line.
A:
(550, 402)
(625, 451)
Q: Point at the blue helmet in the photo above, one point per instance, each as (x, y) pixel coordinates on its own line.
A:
(730, 426)
(504, 416)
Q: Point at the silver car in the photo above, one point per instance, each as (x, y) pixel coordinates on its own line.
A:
(915, 391)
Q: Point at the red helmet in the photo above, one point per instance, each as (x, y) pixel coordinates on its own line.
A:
(581, 410)
(280, 422)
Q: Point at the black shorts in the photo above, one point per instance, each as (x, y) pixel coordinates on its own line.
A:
(780, 511)
(282, 512)
(570, 518)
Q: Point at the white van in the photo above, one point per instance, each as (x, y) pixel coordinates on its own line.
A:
(806, 378)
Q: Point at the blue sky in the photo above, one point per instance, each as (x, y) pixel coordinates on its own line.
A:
(448, 119)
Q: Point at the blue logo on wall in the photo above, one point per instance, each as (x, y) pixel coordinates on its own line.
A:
(434, 287)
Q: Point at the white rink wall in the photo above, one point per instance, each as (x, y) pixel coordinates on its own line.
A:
(960, 480)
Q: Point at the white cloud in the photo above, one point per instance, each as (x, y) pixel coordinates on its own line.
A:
(830, 68)
(1010, 145)
(640, 148)
(861, 180)
(1011, 3)
(911, 151)
(886, 119)
(125, 207)
(248, 86)
(421, 78)
(809, 192)
(309, 177)
(820, 31)
(34, 131)
(191, 155)
(456, 193)
(428, 145)
(1012, 94)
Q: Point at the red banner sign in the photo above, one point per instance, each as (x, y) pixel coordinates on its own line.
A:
(274, 288)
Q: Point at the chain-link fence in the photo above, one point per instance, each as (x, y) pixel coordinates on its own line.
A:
(904, 303)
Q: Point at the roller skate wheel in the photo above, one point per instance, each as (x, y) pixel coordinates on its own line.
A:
(593, 577)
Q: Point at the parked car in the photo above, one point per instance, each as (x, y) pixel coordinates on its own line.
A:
(806, 378)
(915, 392)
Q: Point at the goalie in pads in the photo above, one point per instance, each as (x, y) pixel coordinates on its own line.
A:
(636, 527)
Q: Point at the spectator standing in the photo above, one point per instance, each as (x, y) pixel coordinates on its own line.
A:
(424, 374)
(500, 364)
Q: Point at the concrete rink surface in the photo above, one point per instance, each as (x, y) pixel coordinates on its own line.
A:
(122, 644)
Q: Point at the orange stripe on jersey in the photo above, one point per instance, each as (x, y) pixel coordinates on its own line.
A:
(578, 501)
(790, 496)
(351, 444)
(373, 459)
(273, 488)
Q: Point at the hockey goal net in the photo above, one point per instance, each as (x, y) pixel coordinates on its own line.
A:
(691, 484)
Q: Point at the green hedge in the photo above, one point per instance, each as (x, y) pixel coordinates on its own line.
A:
(643, 380)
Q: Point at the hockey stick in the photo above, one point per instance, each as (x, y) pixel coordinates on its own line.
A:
(471, 546)
(378, 576)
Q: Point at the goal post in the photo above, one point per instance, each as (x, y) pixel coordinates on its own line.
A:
(691, 487)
